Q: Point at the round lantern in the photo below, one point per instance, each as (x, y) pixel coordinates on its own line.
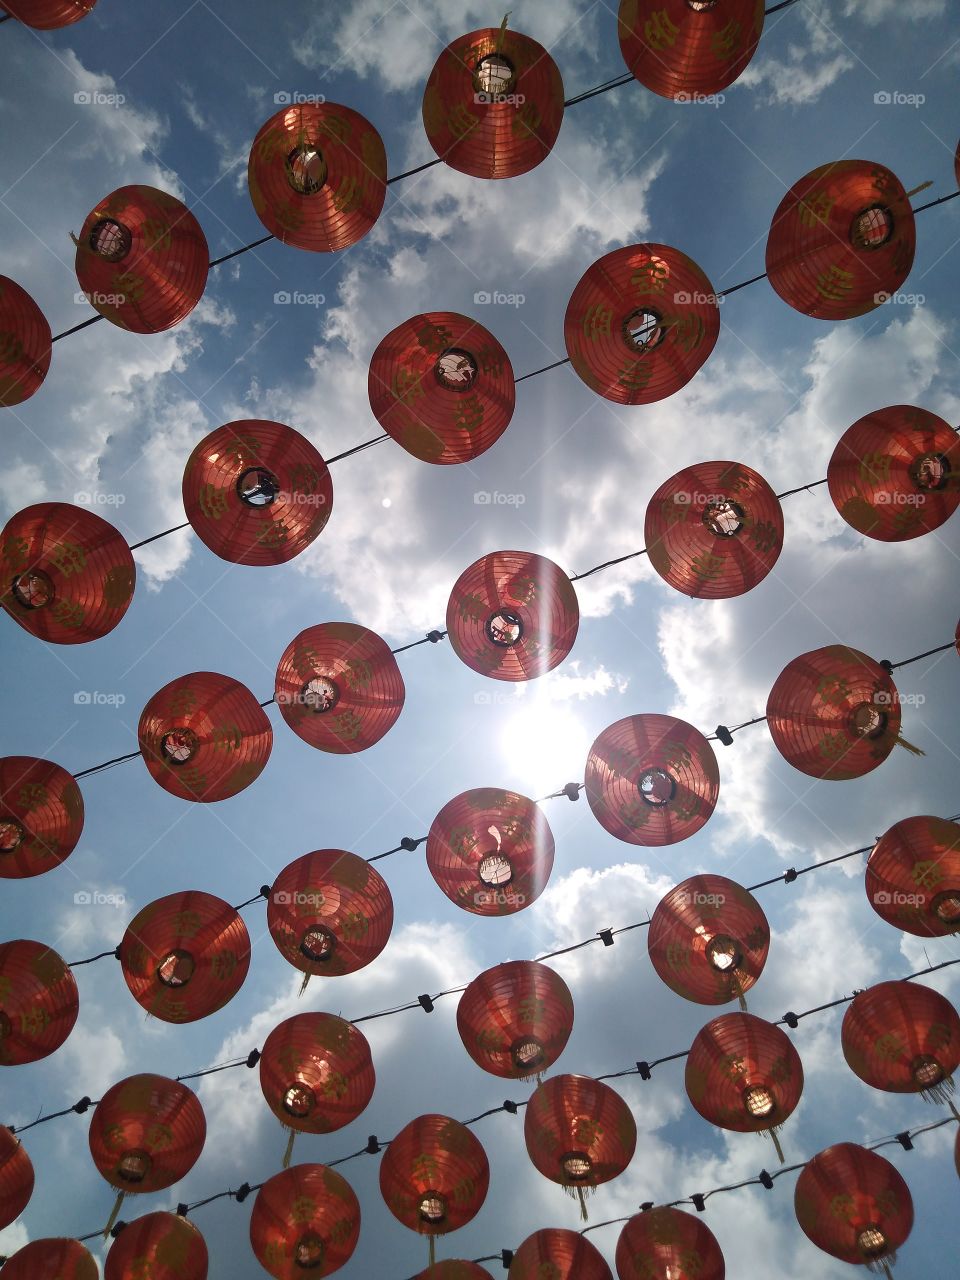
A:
(318, 176)
(442, 386)
(640, 323)
(493, 104)
(834, 713)
(39, 1002)
(903, 1038)
(512, 615)
(895, 474)
(338, 687)
(330, 913)
(689, 49)
(16, 1177)
(559, 1255)
(515, 1019)
(66, 575)
(306, 1219)
(455, 1269)
(913, 876)
(204, 737)
(842, 240)
(41, 816)
(185, 955)
(25, 344)
(256, 492)
(434, 1176)
(47, 15)
(854, 1205)
(708, 940)
(652, 780)
(142, 259)
(158, 1246)
(714, 531)
(668, 1244)
(52, 1259)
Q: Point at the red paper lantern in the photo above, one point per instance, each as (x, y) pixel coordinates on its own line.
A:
(305, 1219)
(493, 104)
(442, 386)
(834, 713)
(318, 176)
(343, 669)
(842, 240)
(512, 615)
(434, 1175)
(204, 737)
(39, 1002)
(640, 323)
(51, 1259)
(685, 50)
(256, 492)
(455, 1269)
(668, 1244)
(903, 1038)
(708, 939)
(146, 1133)
(913, 876)
(66, 575)
(714, 531)
(47, 15)
(895, 474)
(854, 1205)
(16, 1177)
(559, 1255)
(316, 1072)
(142, 259)
(652, 780)
(158, 1246)
(515, 1019)
(41, 816)
(185, 955)
(490, 851)
(24, 344)
(330, 913)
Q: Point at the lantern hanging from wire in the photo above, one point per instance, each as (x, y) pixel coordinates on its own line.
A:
(455, 1269)
(48, 15)
(16, 1177)
(559, 1255)
(41, 816)
(668, 1244)
(52, 1259)
(305, 1219)
(39, 1002)
(689, 50)
(515, 1019)
(25, 344)
(913, 876)
(158, 1246)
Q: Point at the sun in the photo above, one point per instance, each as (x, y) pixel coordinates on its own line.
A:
(545, 745)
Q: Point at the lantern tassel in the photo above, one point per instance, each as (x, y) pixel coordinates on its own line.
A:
(883, 1266)
(503, 31)
(737, 985)
(916, 190)
(776, 1144)
(939, 1093)
(114, 1214)
(303, 985)
(432, 1243)
(584, 1216)
(289, 1151)
(902, 742)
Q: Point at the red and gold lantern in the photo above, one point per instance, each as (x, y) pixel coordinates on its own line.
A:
(560, 1255)
(903, 1038)
(48, 15)
(25, 344)
(161, 1246)
(16, 1177)
(41, 816)
(305, 1219)
(913, 876)
(434, 1176)
(39, 1002)
(52, 1259)
(668, 1244)
(689, 49)
(515, 1019)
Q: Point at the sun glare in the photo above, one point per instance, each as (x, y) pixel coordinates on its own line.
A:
(545, 745)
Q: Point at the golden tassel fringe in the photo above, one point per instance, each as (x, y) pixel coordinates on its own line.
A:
(303, 986)
(902, 742)
(114, 1215)
(776, 1143)
(289, 1151)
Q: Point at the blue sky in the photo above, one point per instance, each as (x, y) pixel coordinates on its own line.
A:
(119, 414)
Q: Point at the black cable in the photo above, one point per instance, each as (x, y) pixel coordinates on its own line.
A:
(75, 964)
(556, 365)
(803, 488)
(410, 172)
(358, 448)
(176, 529)
(97, 768)
(929, 654)
(243, 249)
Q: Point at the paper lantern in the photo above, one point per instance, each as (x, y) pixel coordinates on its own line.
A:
(442, 386)
(184, 956)
(16, 1177)
(895, 474)
(51, 1259)
(204, 737)
(689, 49)
(47, 15)
(455, 1269)
(515, 1019)
(903, 1038)
(158, 1246)
(854, 1205)
(41, 816)
(304, 1219)
(25, 344)
(257, 492)
(652, 780)
(640, 323)
(714, 531)
(708, 940)
(913, 876)
(493, 104)
(338, 687)
(66, 575)
(559, 1255)
(434, 1175)
(512, 615)
(668, 1244)
(142, 259)
(39, 1002)
(318, 176)
(842, 240)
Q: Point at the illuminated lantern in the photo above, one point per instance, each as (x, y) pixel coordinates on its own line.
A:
(16, 1177)
(455, 1269)
(512, 615)
(559, 1255)
(161, 1246)
(745, 1075)
(714, 530)
(834, 713)
(304, 1219)
(338, 687)
(142, 259)
(895, 474)
(330, 913)
(52, 1259)
(668, 1244)
(708, 940)
(652, 780)
(185, 955)
(318, 176)
(842, 240)
(204, 737)
(47, 15)
(640, 323)
(39, 1002)
(903, 1038)
(41, 816)
(913, 876)
(24, 344)
(854, 1205)
(66, 575)
(493, 104)
(688, 49)
(442, 386)
(256, 492)
(515, 1019)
